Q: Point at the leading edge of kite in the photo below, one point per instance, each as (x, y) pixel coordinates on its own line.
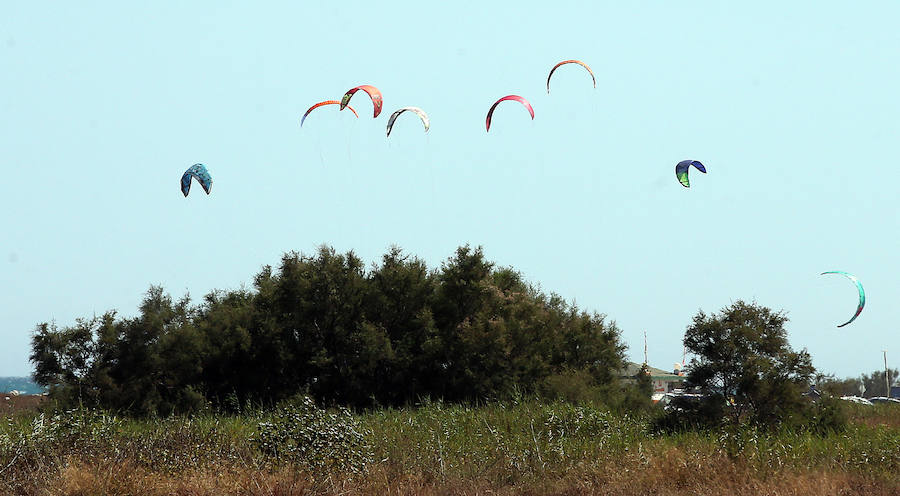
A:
(373, 92)
(516, 98)
(681, 171)
(416, 110)
(326, 102)
(198, 172)
(859, 287)
(582, 64)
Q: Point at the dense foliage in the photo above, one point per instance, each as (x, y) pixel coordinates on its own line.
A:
(323, 325)
(300, 434)
(746, 371)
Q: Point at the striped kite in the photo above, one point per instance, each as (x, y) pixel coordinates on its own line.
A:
(373, 92)
(421, 113)
(326, 102)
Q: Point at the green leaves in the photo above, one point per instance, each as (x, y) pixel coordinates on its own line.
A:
(303, 435)
(323, 325)
(744, 360)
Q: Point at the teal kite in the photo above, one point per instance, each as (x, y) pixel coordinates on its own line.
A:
(198, 172)
(862, 293)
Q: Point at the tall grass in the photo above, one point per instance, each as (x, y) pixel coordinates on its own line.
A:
(437, 448)
(500, 441)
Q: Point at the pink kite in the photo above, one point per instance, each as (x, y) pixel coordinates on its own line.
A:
(373, 92)
(508, 97)
(326, 102)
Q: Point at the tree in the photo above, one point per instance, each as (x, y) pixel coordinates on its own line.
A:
(314, 333)
(400, 298)
(743, 360)
(831, 385)
(874, 382)
(323, 325)
(64, 358)
(867, 385)
(149, 364)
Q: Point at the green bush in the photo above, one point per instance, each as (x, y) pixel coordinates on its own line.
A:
(304, 435)
(826, 416)
(691, 413)
(45, 438)
(573, 386)
(325, 325)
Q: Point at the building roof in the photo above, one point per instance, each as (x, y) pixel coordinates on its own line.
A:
(632, 369)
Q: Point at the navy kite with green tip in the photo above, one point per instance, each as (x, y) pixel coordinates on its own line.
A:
(681, 171)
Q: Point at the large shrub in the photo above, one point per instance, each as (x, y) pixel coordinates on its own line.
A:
(326, 326)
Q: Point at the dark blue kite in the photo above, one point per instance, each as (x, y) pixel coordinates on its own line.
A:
(681, 171)
(199, 172)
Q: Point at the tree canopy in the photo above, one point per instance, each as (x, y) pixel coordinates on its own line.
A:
(745, 367)
(327, 326)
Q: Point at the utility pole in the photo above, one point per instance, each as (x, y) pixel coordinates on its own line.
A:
(645, 348)
(887, 381)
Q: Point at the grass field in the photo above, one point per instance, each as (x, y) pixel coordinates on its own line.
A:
(496, 448)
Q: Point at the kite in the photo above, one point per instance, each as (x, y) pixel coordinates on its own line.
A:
(326, 102)
(582, 64)
(681, 171)
(199, 172)
(421, 113)
(508, 97)
(862, 293)
(373, 92)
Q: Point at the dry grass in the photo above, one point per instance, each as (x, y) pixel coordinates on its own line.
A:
(671, 473)
(25, 403)
(498, 449)
(886, 415)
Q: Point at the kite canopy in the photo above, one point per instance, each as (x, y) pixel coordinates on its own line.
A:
(373, 92)
(862, 293)
(508, 97)
(681, 171)
(582, 64)
(421, 113)
(326, 102)
(199, 172)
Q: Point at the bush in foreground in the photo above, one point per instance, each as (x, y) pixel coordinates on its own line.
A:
(300, 434)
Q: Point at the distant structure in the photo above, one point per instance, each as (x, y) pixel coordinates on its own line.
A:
(895, 391)
(813, 393)
(24, 385)
(663, 381)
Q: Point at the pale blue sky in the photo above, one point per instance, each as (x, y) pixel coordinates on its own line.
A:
(793, 107)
